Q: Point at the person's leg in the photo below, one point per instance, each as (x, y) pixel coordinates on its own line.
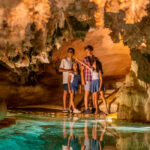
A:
(86, 136)
(96, 102)
(93, 100)
(104, 100)
(64, 129)
(86, 96)
(72, 96)
(72, 99)
(65, 98)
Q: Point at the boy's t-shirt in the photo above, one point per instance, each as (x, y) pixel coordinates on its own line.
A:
(66, 63)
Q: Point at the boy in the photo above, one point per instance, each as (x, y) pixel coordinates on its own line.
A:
(66, 68)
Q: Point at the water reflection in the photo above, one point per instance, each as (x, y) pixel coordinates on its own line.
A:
(33, 132)
(90, 140)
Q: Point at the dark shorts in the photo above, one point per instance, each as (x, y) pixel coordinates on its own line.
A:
(65, 87)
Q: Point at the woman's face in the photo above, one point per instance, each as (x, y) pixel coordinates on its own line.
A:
(75, 67)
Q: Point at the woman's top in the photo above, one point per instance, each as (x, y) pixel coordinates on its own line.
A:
(95, 74)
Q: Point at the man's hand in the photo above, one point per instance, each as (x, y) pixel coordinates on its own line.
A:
(70, 71)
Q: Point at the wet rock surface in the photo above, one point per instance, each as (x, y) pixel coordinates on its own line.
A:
(3, 109)
(8, 121)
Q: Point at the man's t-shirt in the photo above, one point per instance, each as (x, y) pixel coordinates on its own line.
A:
(66, 63)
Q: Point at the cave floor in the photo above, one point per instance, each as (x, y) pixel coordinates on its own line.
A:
(55, 131)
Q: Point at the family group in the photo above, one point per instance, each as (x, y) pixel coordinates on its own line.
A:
(87, 72)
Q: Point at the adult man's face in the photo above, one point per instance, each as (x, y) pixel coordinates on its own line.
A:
(88, 52)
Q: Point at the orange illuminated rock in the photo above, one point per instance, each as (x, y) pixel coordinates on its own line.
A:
(115, 57)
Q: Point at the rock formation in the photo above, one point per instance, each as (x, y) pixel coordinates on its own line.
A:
(31, 32)
(134, 96)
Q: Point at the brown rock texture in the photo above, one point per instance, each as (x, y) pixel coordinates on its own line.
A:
(31, 32)
(115, 57)
(134, 96)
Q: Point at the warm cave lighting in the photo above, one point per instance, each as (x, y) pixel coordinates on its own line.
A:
(74, 74)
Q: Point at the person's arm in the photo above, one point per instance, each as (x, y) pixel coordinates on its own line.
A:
(101, 80)
(82, 63)
(69, 80)
(82, 75)
(65, 70)
(80, 89)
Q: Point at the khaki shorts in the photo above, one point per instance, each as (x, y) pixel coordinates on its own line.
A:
(87, 86)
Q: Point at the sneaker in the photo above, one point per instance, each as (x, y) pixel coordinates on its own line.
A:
(87, 111)
(65, 111)
(76, 111)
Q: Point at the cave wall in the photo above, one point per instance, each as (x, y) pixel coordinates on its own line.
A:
(134, 96)
(30, 30)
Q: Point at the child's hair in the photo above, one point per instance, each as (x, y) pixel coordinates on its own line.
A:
(72, 50)
(98, 66)
(78, 69)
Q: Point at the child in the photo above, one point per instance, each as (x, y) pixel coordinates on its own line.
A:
(97, 83)
(74, 81)
(66, 68)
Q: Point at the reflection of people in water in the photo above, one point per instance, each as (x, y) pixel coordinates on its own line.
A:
(94, 143)
(65, 137)
(73, 141)
(86, 137)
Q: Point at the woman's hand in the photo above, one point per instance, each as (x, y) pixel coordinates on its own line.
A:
(80, 89)
(100, 89)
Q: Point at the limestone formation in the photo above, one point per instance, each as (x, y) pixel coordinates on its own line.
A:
(32, 31)
(134, 96)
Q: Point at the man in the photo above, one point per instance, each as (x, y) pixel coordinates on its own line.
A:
(86, 75)
(66, 68)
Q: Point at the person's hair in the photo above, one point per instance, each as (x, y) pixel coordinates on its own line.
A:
(89, 47)
(98, 66)
(71, 49)
(78, 68)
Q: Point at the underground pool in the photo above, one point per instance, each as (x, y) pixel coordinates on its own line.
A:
(59, 132)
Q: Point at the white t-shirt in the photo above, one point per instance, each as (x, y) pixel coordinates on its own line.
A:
(66, 63)
(95, 75)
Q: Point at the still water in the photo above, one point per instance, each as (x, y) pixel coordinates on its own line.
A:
(39, 132)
